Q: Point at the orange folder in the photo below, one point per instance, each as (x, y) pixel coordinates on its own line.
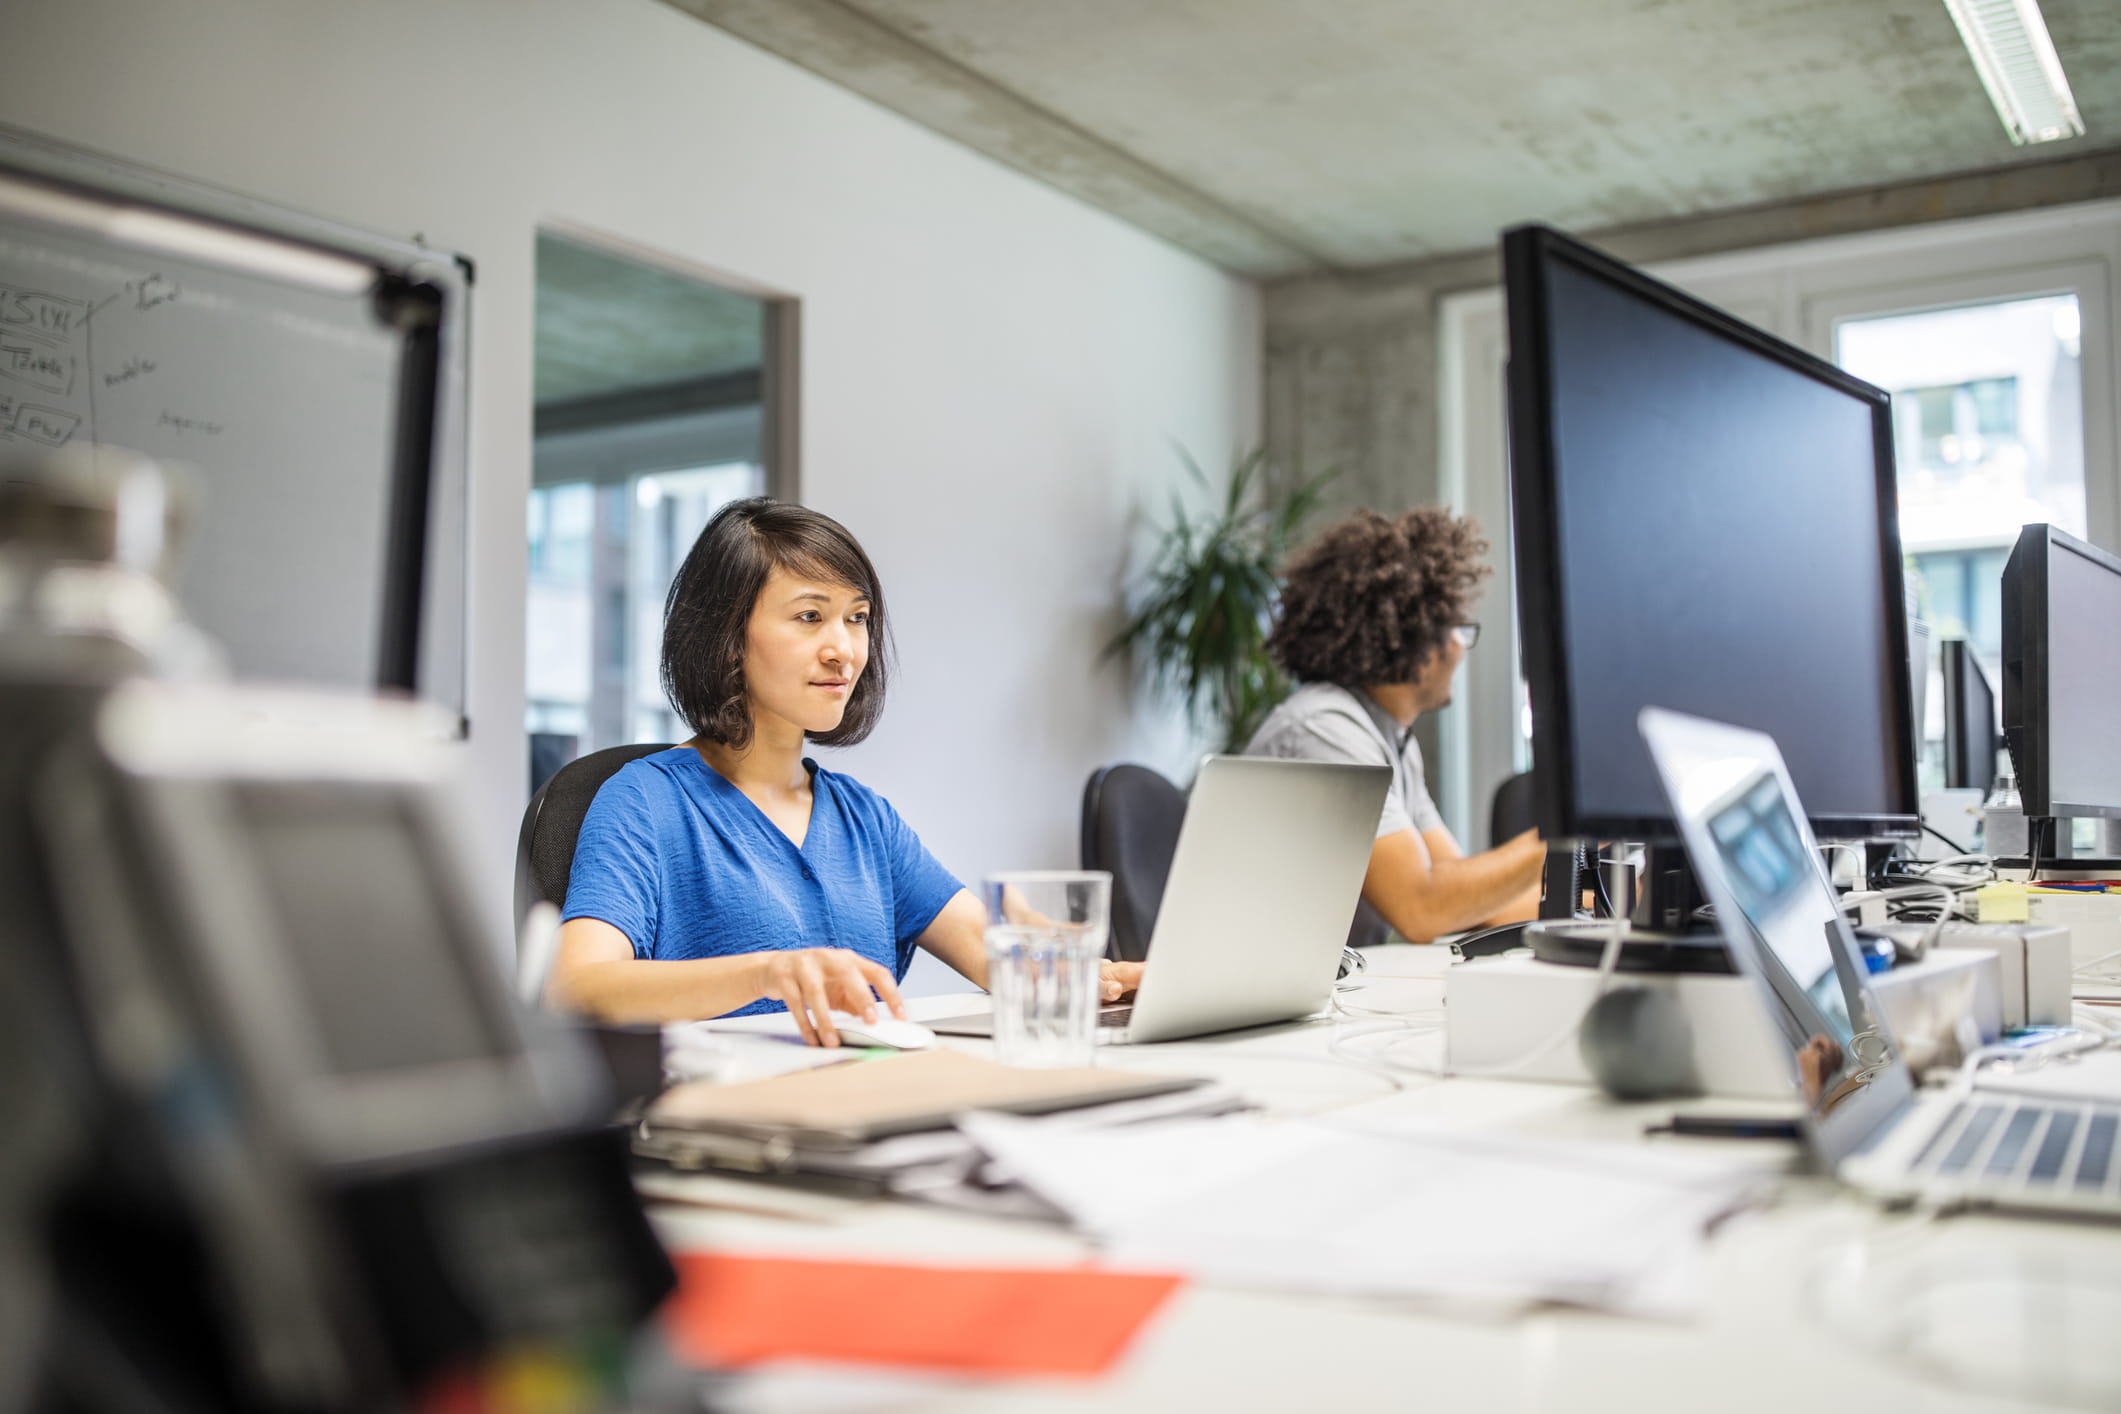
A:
(732, 1311)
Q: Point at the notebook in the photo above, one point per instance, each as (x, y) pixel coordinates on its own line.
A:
(842, 1106)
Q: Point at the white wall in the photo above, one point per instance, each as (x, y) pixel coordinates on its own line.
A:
(993, 373)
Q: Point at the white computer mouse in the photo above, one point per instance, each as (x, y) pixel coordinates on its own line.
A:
(886, 1030)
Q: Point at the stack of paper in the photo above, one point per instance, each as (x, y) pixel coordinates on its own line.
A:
(1313, 1206)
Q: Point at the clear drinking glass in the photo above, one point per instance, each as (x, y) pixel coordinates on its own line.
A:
(1045, 936)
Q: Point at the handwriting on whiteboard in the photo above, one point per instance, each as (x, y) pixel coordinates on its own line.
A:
(51, 371)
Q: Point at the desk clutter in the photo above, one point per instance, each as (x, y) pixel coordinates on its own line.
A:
(1170, 1173)
(887, 1125)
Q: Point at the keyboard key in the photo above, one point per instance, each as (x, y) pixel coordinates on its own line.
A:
(2098, 1152)
(1944, 1126)
(2054, 1147)
(2011, 1147)
(1970, 1138)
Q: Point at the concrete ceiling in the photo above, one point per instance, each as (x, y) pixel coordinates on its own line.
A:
(608, 326)
(1278, 138)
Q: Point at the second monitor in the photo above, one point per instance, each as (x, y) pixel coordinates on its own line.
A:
(1705, 521)
(2062, 674)
(1970, 734)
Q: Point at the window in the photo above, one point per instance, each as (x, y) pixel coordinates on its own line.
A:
(653, 410)
(1988, 436)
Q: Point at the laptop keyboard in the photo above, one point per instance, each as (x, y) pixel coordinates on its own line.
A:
(2024, 1146)
(1114, 1016)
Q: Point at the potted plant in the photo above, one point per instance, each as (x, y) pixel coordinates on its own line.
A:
(1200, 626)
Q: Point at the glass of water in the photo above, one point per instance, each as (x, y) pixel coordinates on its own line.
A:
(1045, 937)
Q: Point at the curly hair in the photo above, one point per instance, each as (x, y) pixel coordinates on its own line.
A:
(1369, 600)
(707, 615)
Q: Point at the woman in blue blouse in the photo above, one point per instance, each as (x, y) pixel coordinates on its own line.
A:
(732, 875)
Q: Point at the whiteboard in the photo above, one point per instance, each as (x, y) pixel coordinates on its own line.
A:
(285, 403)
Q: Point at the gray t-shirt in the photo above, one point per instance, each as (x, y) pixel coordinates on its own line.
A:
(1325, 722)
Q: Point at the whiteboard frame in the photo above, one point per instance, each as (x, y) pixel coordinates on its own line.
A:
(442, 675)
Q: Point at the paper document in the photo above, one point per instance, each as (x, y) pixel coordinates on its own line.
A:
(2088, 1075)
(1308, 1205)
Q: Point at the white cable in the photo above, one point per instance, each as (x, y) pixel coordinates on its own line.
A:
(1948, 905)
(1357, 965)
(1924, 866)
(1970, 878)
(1862, 864)
(1609, 959)
(2088, 1018)
(1350, 1010)
(2085, 973)
(1861, 897)
(2034, 1057)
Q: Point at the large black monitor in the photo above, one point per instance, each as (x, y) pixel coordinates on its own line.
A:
(1970, 736)
(2062, 674)
(1705, 521)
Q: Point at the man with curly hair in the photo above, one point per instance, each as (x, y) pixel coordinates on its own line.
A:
(1373, 624)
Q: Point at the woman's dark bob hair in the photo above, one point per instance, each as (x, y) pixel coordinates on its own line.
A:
(1371, 600)
(708, 613)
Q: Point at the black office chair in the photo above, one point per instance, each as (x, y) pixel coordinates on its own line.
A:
(1510, 814)
(553, 820)
(1131, 817)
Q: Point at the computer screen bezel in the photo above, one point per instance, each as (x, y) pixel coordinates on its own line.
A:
(1956, 661)
(2026, 689)
(1534, 461)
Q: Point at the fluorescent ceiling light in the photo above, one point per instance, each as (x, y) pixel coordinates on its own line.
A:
(2019, 68)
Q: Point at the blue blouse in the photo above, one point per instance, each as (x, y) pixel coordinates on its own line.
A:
(680, 861)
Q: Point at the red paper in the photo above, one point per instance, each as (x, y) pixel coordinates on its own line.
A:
(731, 1311)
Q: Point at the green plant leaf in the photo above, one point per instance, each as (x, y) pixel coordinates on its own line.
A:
(1199, 626)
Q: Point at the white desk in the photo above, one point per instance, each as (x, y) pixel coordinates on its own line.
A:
(1758, 1345)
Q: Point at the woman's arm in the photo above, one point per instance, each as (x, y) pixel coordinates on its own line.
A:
(958, 936)
(597, 974)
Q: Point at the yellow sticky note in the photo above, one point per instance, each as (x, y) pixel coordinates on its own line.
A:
(2003, 903)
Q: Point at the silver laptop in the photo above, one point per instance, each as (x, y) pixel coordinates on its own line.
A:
(1263, 886)
(1759, 867)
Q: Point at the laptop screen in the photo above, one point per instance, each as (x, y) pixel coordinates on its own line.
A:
(1757, 865)
(1821, 1007)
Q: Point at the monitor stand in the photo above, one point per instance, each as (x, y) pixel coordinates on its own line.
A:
(2056, 852)
(1661, 934)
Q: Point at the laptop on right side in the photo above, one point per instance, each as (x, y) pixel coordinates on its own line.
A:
(1864, 1120)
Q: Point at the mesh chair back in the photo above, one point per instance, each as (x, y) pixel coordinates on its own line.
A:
(1510, 814)
(553, 820)
(1131, 817)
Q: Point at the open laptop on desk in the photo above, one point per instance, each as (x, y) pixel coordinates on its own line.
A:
(1757, 864)
(1269, 866)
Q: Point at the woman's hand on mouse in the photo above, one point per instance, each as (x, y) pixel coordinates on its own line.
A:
(813, 982)
(1117, 979)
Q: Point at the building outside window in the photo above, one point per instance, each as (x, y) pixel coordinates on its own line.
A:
(1988, 428)
(652, 412)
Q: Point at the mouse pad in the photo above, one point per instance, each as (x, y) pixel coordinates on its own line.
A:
(735, 1310)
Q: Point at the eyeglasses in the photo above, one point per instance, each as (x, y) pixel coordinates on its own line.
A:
(1466, 634)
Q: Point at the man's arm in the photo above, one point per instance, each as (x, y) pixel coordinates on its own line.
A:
(1425, 887)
